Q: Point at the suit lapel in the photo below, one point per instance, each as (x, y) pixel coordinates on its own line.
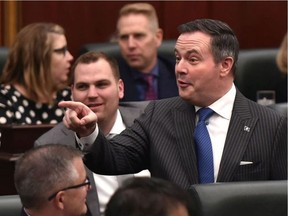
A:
(184, 119)
(240, 130)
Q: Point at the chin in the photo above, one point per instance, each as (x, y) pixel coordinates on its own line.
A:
(184, 95)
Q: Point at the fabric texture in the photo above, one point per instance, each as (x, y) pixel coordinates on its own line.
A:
(17, 109)
(161, 140)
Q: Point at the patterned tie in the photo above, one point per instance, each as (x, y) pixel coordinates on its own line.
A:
(150, 93)
(204, 147)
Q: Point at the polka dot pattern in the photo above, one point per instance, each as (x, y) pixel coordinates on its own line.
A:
(15, 108)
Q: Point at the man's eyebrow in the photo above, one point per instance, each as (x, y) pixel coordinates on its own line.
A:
(188, 51)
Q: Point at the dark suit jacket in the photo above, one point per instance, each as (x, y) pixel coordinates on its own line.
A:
(61, 135)
(161, 140)
(167, 86)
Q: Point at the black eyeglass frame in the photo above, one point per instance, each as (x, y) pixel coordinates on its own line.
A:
(87, 182)
(62, 50)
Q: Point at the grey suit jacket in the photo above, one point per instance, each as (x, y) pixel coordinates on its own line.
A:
(161, 140)
(61, 135)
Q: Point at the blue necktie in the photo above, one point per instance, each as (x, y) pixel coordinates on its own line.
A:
(204, 147)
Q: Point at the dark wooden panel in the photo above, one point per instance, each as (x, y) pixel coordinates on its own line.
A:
(15, 140)
(178, 12)
(7, 177)
(258, 24)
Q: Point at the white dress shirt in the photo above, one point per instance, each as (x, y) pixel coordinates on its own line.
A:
(217, 125)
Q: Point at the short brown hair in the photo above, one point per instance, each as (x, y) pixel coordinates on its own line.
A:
(141, 8)
(94, 56)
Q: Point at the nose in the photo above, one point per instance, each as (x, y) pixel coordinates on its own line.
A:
(131, 42)
(180, 66)
(92, 92)
(69, 56)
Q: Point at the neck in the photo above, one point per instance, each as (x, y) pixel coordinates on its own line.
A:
(148, 69)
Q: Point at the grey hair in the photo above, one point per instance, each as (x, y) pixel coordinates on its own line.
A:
(44, 170)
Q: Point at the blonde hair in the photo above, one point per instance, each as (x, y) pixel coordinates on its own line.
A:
(281, 58)
(141, 8)
(29, 61)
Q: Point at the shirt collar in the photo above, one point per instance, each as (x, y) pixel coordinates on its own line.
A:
(224, 105)
(118, 126)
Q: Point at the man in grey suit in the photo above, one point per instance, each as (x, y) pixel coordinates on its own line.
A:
(96, 82)
(248, 141)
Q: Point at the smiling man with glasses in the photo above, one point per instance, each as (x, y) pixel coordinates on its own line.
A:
(51, 180)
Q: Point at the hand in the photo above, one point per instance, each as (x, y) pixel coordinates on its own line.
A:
(79, 118)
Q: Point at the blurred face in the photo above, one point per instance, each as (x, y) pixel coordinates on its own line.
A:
(60, 59)
(200, 80)
(75, 199)
(179, 210)
(138, 42)
(95, 86)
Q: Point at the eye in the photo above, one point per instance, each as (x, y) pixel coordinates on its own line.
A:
(102, 84)
(193, 60)
(81, 86)
(62, 50)
(177, 58)
(123, 37)
(139, 36)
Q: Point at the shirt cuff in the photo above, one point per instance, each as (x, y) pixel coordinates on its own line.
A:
(85, 142)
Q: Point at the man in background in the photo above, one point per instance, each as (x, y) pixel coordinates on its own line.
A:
(96, 82)
(147, 76)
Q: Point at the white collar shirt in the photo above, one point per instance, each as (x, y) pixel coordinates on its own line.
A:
(218, 125)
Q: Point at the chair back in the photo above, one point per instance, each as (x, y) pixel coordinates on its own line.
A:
(257, 198)
(282, 108)
(257, 70)
(10, 205)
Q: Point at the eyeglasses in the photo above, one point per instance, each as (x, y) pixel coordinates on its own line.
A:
(87, 182)
(62, 50)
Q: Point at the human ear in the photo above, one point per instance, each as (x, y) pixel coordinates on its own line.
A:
(226, 66)
(121, 88)
(159, 36)
(59, 200)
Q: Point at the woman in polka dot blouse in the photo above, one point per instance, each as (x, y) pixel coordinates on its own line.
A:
(35, 76)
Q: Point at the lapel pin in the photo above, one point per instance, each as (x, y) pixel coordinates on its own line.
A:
(246, 128)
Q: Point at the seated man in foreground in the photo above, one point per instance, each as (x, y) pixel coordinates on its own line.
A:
(51, 180)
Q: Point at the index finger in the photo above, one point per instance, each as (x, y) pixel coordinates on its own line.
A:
(72, 105)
